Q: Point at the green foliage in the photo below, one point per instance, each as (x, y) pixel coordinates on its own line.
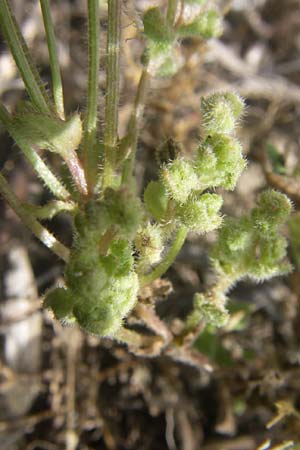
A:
(120, 242)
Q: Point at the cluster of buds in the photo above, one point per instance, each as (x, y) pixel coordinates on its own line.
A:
(193, 20)
(250, 246)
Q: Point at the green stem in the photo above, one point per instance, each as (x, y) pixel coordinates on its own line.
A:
(55, 186)
(135, 123)
(53, 57)
(49, 210)
(164, 265)
(20, 52)
(36, 228)
(90, 123)
(171, 11)
(112, 89)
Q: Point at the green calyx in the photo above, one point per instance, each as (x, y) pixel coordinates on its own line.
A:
(179, 179)
(221, 112)
(202, 214)
(219, 161)
(272, 210)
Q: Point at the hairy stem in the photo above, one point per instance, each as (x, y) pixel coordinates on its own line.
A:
(55, 186)
(77, 172)
(90, 124)
(20, 52)
(49, 210)
(164, 265)
(135, 123)
(35, 227)
(53, 58)
(112, 89)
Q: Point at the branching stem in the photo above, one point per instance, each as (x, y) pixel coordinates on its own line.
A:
(135, 123)
(35, 227)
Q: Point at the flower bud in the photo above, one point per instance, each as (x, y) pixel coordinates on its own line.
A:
(202, 215)
(179, 179)
(219, 162)
(272, 210)
(221, 112)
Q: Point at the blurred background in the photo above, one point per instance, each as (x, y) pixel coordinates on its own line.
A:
(61, 389)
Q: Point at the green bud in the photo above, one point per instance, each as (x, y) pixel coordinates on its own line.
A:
(149, 244)
(221, 112)
(219, 162)
(179, 179)
(206, 25)
(212, 310)
(202, 214)
(273, 210)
